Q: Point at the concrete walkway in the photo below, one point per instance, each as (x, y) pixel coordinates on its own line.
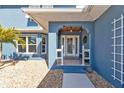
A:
(76, 80)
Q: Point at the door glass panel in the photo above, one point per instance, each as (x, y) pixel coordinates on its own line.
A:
(69, 45)
(76, 45)
(63, 40)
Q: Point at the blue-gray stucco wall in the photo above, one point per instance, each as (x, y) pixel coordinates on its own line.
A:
(13, 16)
(103, 43)
(9, 51)
(55, 26)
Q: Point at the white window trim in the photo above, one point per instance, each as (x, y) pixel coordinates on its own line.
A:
(44, 45)
(27, 46)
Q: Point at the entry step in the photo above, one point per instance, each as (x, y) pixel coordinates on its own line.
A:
(71, 69)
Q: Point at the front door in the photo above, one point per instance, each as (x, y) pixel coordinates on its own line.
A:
(71, 45)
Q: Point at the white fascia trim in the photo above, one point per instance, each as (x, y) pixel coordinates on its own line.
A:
(40, 28)
(29, 29)
(68, 10)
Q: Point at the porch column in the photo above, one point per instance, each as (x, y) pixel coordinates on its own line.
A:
(52, 46)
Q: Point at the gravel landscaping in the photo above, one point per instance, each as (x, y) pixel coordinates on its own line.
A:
(98, 81)
(35, 74)
(24, 74)
(53, 79)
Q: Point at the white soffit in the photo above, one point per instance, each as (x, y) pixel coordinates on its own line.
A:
(45, 15)
(85, 14)
(98, 10)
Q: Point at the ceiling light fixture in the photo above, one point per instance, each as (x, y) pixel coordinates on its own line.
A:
(71, 30)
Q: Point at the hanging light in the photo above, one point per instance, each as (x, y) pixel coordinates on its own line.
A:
(70, 29)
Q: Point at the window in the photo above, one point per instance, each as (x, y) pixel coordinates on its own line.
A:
(20, 48)
(30, 46)
(31, 22)
(43, 44)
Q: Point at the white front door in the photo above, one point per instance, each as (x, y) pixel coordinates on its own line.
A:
(71, 45)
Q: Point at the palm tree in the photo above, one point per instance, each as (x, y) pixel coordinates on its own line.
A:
(10, 35)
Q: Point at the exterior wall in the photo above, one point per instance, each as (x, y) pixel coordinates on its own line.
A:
(103, 43)
(10, 52)
(55, 26)
(52, 46)
(12, 16)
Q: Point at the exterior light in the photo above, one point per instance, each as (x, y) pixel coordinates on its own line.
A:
(71, 30)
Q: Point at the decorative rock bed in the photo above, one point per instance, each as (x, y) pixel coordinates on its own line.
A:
(33, 74)
(53, 79)
(24, 74)
(98, 81)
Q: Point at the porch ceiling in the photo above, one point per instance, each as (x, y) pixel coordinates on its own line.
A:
(71, 28)
(43, 16)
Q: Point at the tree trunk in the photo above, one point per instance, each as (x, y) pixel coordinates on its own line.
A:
(0, 51)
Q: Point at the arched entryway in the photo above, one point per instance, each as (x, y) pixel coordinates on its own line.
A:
(75, 42)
